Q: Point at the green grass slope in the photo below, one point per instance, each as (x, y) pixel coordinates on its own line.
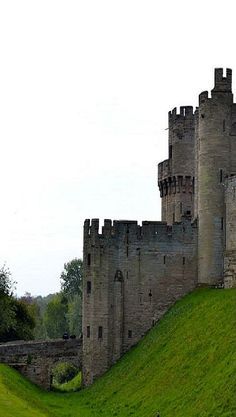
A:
(184, 367)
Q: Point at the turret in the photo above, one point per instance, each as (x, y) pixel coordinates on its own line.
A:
(176, 174)
(214, 126)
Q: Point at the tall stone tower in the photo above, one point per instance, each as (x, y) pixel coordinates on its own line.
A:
(214, 143)
(176, 174)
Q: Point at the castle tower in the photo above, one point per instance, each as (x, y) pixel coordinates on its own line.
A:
(176, 174)
(214, 143)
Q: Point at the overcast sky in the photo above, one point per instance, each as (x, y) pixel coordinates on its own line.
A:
(85, 88)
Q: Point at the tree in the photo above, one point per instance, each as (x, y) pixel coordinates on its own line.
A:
(6, 283)
(23, 322)
(55, 319)
(7, 306)
(74, 315)
(71, 278)
(17, 321)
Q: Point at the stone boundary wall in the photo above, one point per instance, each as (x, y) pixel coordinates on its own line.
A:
(35, 359)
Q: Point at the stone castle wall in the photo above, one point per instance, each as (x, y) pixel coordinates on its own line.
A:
(132, 274)
(230, 249)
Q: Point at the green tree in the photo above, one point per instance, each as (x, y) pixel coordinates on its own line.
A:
(74, 315)
(39, 331)
(7, 306)
(17, 319)
(71, 278)
(23, 322)
(55, 316)
(7, 285)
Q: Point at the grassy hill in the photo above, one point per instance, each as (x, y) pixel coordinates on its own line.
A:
(184, 367)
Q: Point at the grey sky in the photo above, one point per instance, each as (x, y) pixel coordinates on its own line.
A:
(85, 88)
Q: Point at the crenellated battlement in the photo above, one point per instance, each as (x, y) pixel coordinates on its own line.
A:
(178, 118)
(118, 228)
(223, 84)
(184, 111)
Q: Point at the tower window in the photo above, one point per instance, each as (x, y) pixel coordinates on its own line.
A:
(221, 175)
(164, 260)
(89, 259)
(129, 334)
(170, 151)
(89, 287)
(183, 260)
(222, 223)
(100, 332)
(88, 331)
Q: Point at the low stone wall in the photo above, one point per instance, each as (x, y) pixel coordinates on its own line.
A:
(35, 359)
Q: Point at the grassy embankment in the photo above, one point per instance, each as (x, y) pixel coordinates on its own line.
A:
(184, 367)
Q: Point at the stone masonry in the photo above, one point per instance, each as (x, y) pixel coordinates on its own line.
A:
(133, 273)
(36, 359)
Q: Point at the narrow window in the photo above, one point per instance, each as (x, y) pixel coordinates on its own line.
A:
(88, 331)
(170, 151)
(89, 259)
(129, 334)
(100, 332)
(222, 223)
(183, 260)
(164, 259)
(127, 251)
(89, 287)
(223, 125)
(221, 175)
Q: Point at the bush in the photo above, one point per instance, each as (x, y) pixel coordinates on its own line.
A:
(64, 372)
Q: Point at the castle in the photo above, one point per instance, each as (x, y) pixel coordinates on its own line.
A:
(133, 273)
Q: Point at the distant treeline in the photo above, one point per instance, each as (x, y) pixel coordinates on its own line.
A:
(29, 317)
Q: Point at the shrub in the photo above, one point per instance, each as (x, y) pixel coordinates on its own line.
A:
(64, 372)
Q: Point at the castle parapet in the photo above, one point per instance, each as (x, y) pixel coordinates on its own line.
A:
(223, 84)
(184, 112)
(119, 228)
